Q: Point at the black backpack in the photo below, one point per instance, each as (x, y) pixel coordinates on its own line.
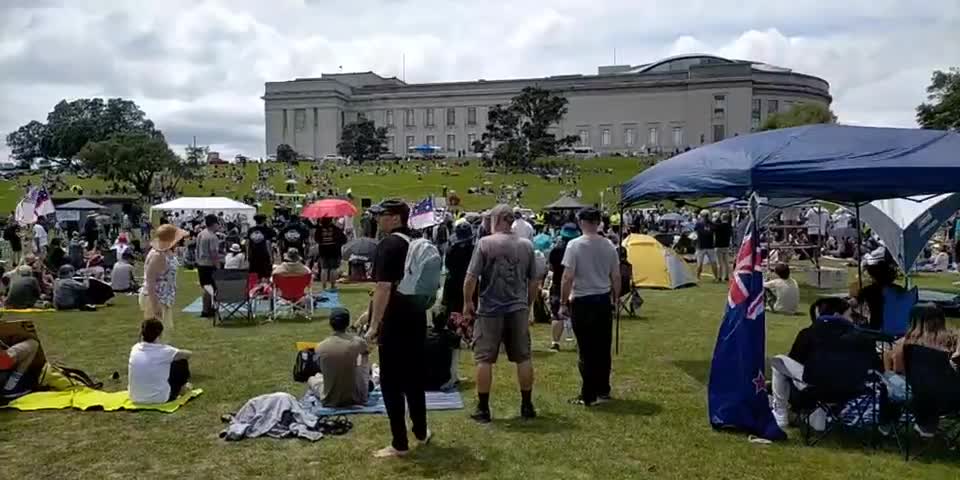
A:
(305, 365)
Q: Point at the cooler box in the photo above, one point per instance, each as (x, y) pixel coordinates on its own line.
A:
(828, 278)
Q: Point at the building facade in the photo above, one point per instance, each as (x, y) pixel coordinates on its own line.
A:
(670, 104)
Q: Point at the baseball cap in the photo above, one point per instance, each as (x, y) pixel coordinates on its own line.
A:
(589, 214)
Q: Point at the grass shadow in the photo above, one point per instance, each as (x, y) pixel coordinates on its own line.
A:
(543, 424)
(436, 461)
(466, 385)
(699, 370)
(629, 406)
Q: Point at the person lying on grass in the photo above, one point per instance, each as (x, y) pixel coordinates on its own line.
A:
(157, 372)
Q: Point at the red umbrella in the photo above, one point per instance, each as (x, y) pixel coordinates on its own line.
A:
(331, 207)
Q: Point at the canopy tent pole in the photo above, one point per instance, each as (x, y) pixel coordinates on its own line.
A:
(616, 301)
(859, 251)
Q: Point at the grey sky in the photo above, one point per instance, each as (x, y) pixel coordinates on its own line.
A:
(198, 67)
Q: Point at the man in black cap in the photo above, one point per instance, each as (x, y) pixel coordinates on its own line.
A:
(400, 329)
(589, 292)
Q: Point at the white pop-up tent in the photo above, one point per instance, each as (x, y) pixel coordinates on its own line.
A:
(906, 224)
(207, 205)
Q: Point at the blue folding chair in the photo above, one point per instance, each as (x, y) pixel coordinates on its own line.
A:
(897, 306)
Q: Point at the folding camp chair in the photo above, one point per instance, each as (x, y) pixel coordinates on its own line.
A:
(897, 306)
(630, 300)
(293, 294)
(840, 381)
(933, 390)
(231, 295)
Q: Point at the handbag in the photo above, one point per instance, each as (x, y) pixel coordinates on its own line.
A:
(305, 365)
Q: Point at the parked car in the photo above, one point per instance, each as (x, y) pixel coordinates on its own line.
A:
(332, 157)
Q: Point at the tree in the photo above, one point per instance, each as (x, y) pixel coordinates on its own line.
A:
(71, 125)
(943, 111)
(26, 143)
(196, 154)
(520, 132)
(362, 140)
(286, 153)
(478, 146)
(800, 114)
(135, 158)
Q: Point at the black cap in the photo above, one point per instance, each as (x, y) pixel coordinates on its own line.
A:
(589, 214)
(391, 207)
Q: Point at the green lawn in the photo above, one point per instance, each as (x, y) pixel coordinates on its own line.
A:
(657, 427)
(598, 175)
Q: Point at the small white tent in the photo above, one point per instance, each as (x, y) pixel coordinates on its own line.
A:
(207, 205)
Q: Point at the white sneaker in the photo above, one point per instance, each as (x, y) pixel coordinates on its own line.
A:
(782, 417)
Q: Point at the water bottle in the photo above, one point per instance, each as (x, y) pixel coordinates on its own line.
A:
(568, 328)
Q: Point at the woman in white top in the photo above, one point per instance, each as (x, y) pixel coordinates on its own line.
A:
(156, 372)
(236, 259)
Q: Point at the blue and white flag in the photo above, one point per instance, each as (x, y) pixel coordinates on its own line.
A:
(422, 215)
(737, 392)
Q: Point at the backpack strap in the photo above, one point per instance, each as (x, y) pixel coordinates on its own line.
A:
(405, 238)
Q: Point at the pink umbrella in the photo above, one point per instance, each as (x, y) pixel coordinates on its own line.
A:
(331, 207)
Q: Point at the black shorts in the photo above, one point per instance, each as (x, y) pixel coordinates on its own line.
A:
(330, 263)
(206, 275)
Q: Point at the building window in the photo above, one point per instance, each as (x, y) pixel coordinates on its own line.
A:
(773, 106)
(431, 140)
(471, 138)
(284, 123)
(391, 143)
(605, 137)
(409, 118)
(719, 133)
(300, 119)
(677, 136)
(410, 141)
(628, 137)
(755, 115)
(451, 143)
(451, 117)
(389, 118)
(361, 116)
(429, 117)
(653, 137)
(472, 116)
(584, 138)
(719, 105)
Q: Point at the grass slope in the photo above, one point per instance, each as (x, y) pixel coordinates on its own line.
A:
(656, 429)
(401, 181)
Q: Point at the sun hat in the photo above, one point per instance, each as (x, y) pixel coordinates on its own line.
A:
(235, 248)
(569, 231)
(167, 236)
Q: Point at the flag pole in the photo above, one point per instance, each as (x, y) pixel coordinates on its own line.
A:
(616, 301)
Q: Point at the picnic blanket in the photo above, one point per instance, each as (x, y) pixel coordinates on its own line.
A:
(435, 401)
(40, 310)
(85, 398)
(325, 299)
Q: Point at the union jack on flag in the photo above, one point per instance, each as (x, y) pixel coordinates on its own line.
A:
(422, 215)
(746, 271)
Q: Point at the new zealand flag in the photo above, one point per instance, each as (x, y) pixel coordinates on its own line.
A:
(737, 393)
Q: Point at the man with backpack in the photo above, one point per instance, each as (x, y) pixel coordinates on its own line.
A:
(504, 265)
(407, 273)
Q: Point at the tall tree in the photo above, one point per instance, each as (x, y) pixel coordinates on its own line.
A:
(943, 111)
(520, 132)
(26, 143)
(135, 158)
(286, 153)
(362, 141)
(71, 125)
(800, 114)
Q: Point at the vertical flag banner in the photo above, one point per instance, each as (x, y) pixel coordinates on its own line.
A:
(737, 392)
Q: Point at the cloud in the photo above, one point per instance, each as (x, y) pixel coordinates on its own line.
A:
(198, 67)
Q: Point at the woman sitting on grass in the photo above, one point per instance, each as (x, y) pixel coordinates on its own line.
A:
(157, 372)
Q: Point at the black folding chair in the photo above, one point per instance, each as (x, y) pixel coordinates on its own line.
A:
(933, 393)
(231, 295)
(630, 300)
(839, 376)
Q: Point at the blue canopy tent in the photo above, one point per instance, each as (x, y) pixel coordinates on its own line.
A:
(425, 149)
(839, 163)
(906, 224)
(843, 164)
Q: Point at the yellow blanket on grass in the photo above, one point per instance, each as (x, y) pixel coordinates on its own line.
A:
(85, 398)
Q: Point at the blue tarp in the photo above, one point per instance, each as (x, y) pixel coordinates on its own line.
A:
(828, 162)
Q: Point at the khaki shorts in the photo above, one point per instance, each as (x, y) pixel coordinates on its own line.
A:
(511, 329)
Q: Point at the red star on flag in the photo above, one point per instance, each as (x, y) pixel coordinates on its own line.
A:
(760, 382)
